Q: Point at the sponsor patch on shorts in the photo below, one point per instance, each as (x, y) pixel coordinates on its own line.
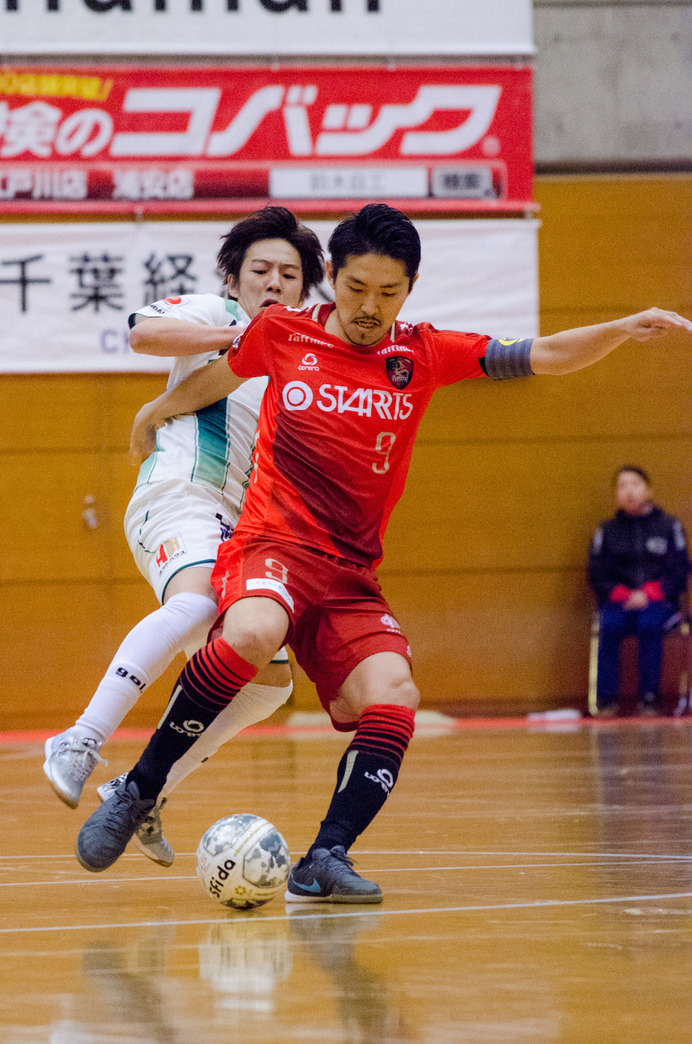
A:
(169, 550)
(265, 583)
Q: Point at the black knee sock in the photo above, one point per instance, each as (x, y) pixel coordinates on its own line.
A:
(207, 684)
(367, 773)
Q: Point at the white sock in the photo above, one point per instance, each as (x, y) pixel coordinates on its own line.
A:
(252, 704)
(142, 657)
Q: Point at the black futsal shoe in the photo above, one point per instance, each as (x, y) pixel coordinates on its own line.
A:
(328, 877)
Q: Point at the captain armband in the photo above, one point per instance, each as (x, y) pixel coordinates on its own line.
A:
(506, 358)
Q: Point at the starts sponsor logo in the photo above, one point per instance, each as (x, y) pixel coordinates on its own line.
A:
(337, 398)
(297, 396)
(390, 623)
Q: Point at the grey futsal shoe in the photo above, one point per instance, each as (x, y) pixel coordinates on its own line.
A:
(150, 840)
(328, 877)
(149, 837)
(106, 833)
(70, 760)
(108, 789)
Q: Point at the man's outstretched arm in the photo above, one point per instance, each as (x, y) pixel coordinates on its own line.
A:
(210, 383)
(575, 349)
(172, 337)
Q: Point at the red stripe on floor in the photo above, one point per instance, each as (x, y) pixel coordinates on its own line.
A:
(142, 735)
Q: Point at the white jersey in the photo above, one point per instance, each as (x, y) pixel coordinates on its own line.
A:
(210, 448)
(189, 491)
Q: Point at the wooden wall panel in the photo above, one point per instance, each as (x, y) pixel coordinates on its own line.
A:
(54, 412)
(72, 411)
(56, 641)
(51, 642)
(486, 553)
(503, 637)
(43, 533)
(640, 389)
(613, 244)
(125, 396)
(516, 505)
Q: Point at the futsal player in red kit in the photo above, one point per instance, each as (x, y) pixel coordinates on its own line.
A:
(348, 386)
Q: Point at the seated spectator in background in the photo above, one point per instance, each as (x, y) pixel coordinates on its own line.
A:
(638, 567)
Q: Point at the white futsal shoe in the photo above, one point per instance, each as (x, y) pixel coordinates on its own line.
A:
(149, 834)
(70, 760)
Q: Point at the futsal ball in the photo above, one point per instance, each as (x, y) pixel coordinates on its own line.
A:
(243, 861)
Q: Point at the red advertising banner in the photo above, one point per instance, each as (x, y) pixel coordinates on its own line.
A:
(111, 138)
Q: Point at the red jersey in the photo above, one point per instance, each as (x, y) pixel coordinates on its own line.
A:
(338, 423)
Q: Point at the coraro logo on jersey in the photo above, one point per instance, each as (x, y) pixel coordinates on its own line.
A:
(330, 398)
(309, 362)
(399, 370)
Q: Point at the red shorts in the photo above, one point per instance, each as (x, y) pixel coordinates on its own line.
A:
(338, 615)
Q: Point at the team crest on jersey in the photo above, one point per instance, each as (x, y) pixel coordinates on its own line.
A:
(399, 370)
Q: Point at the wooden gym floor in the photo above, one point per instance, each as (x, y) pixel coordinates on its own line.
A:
(537, 879)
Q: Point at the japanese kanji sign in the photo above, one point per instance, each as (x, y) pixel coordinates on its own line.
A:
(150, 136)
(67, 289)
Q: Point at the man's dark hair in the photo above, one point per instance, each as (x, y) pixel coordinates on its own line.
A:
(272, 223)
(631, 467)
(376, 229)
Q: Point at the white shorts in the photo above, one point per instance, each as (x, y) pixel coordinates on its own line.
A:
(173, 525)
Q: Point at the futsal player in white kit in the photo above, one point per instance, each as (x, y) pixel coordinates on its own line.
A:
(187, 501)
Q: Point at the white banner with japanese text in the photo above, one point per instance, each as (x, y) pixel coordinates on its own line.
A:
(66, 290)
(231, 28)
